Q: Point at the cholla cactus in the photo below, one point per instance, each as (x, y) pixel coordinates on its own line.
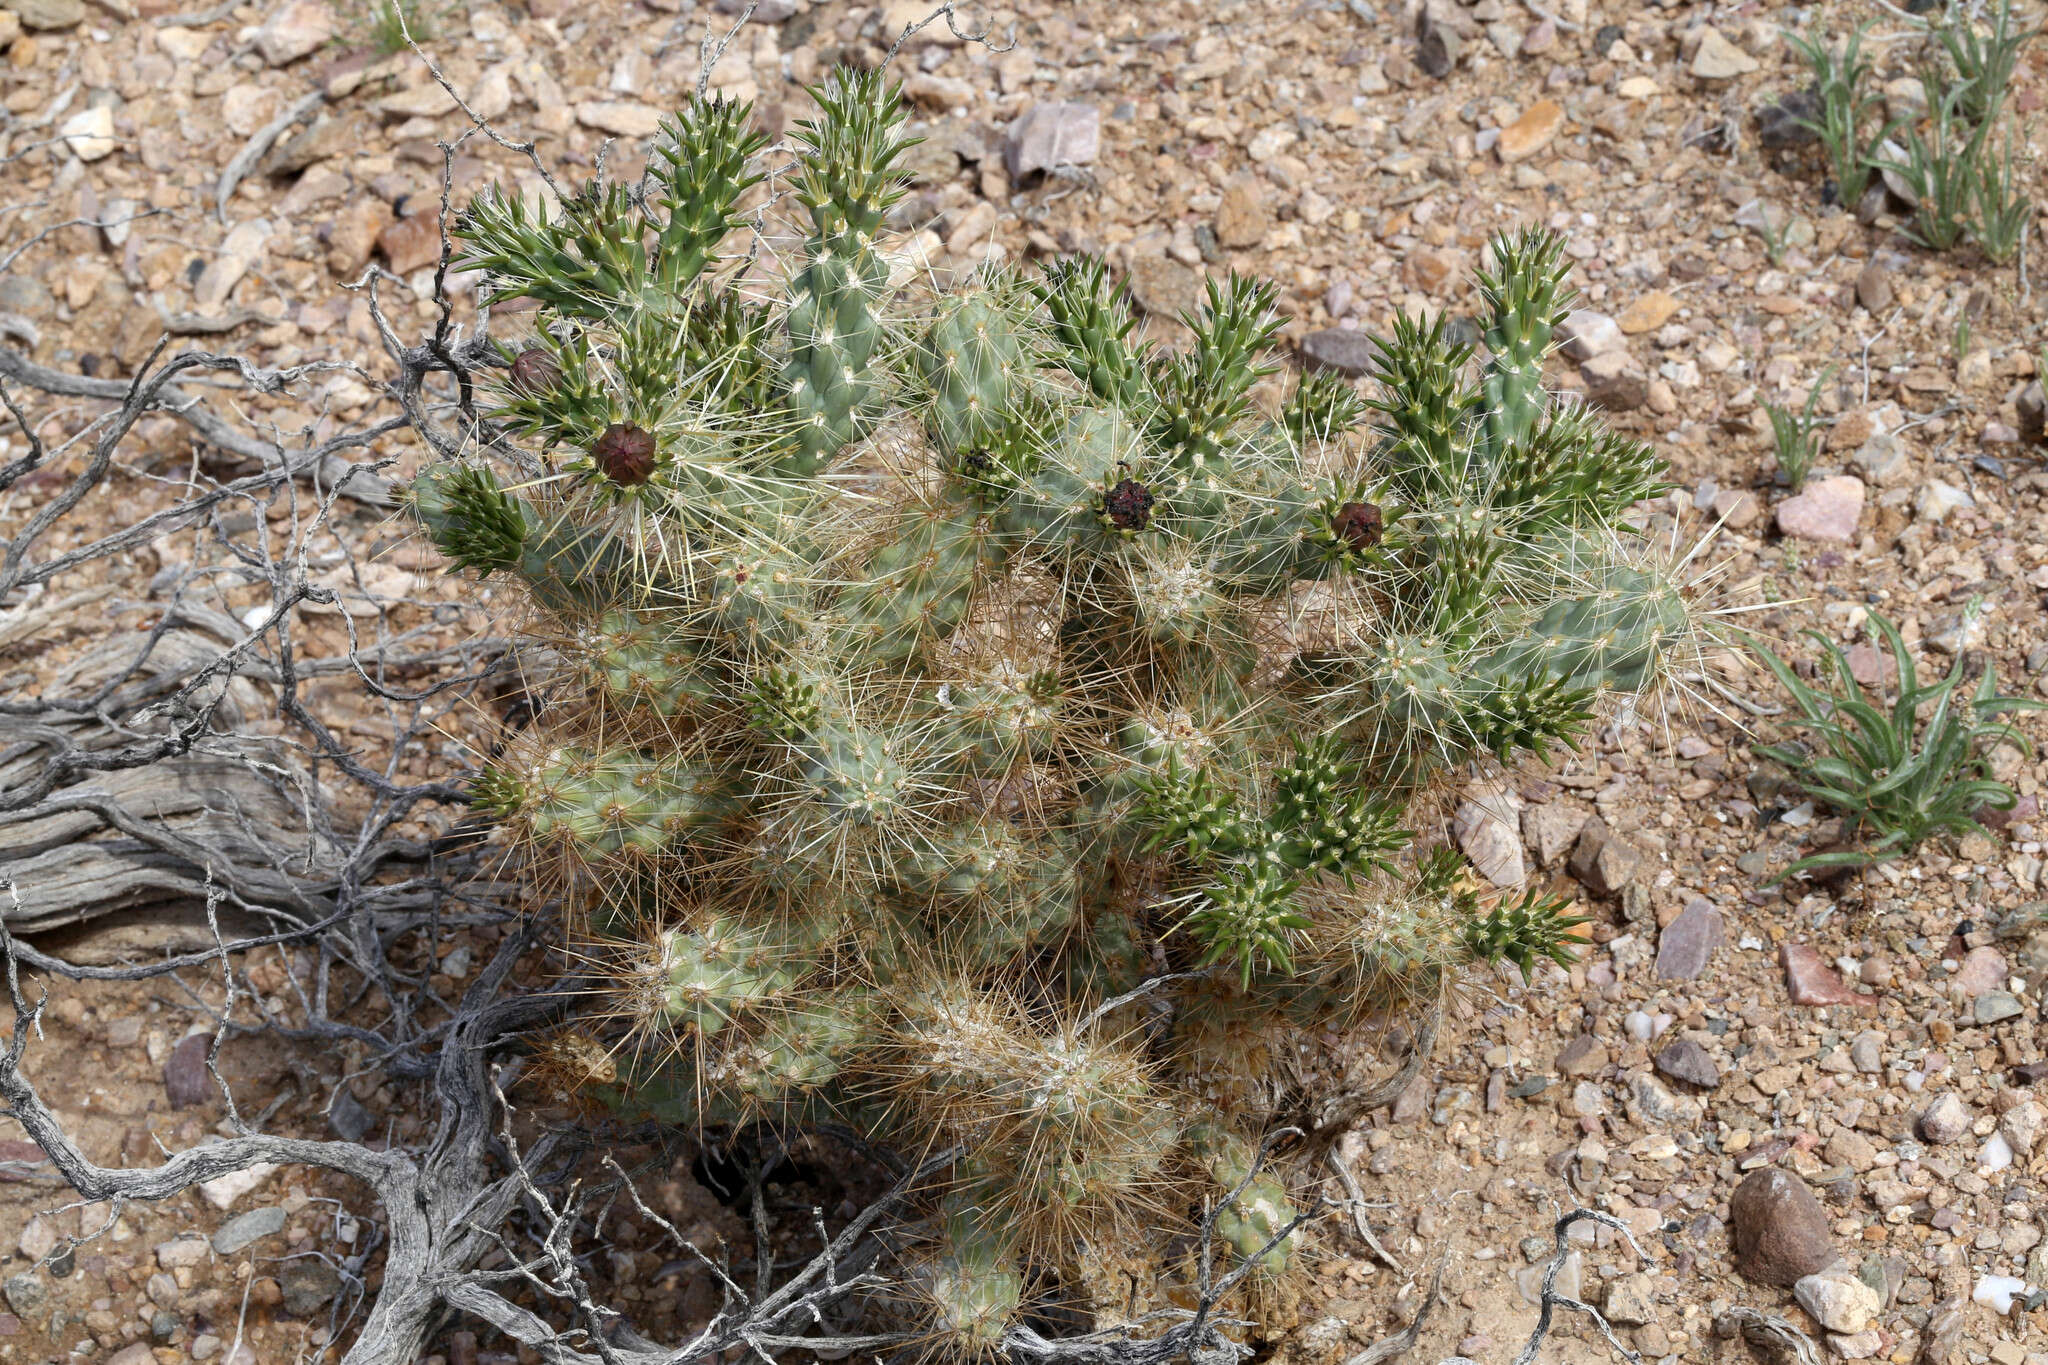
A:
(948, 667)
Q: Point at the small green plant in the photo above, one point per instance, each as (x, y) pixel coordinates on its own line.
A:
(1982, 62)
(1850, 123)
(1941, 168)
(1892, 776)
(1998, 212)
(1772, 230)
(390, 22)
(1795, 433)
(1960, 171)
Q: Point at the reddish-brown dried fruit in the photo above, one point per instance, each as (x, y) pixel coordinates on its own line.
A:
(624, 454)
(535, 371)
(1129, 506)
(1359, 525)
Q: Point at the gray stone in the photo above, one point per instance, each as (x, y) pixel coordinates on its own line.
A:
(26, 295)
(1632, 1300)
(186, 1082)
(1615, 381)
(163, 1325)
(765, 12)
(1437, 44)
(2023, 1126)
(1942, 1343)
(1866, 1051)
(245, 1228)
(1938, 499)
(2033, 411)
(1655, 1103)
(1884, 460)
(347, 1116)
(1780, 1231)
(1684, 1060)
(1717, 59)
(47, 15)
(1603, 862)
(181, 1252)
(1689, 942)
(297, 29)
(38, 1239)
(1584, 334)
(1046, 136)
(1995, 1007)
(1838, 1300)
(1945, 1120)
(1486, 835)
(1582, 1056)
(1341, 349)
(1550, 828)
(1530, 1281)
(309, 1286)
(1163, 288)
(25, 1293)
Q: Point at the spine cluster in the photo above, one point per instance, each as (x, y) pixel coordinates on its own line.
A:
(945, 667)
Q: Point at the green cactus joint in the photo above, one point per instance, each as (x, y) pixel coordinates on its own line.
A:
(940, 664)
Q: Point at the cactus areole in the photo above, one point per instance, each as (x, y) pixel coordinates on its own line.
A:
(959, 664)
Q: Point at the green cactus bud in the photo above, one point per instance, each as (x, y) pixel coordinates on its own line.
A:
(1186, 809)
(1248, 919)
(1207, 391)
(555, 392)
(587, 261)
(702, 165)
(1323, 407)
(1425, 406)
(1092, 322)
(1521, 930)
(1528, 298)
(472, 519)
(1323, 821)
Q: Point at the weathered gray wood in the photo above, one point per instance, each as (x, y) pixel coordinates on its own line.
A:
(240, 810)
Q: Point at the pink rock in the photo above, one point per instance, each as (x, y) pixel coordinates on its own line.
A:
(1811, 981)
(1052, 135)
(1871, 666)
(1983, 970)
(2024, 812)
(1829, 510)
